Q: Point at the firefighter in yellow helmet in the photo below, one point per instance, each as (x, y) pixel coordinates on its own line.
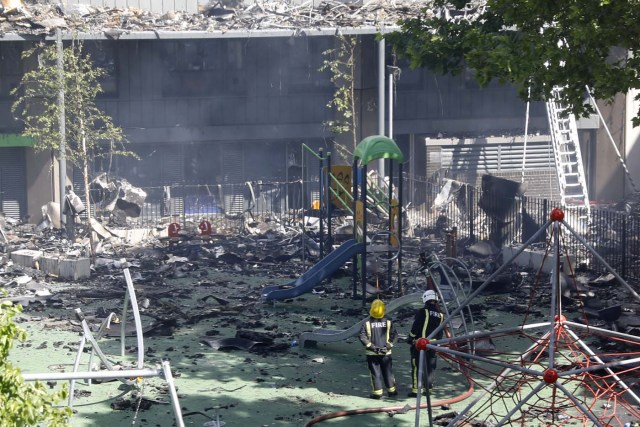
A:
(378, 334)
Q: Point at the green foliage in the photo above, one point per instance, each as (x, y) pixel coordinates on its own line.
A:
(340, 62)
(534, 44)
(87, 127)
(22, 403)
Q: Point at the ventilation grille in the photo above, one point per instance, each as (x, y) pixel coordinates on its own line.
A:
(497, 157)
(13, 182)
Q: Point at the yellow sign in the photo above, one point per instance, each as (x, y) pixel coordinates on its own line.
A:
(359, 221)
(395, 210)
(340, 198)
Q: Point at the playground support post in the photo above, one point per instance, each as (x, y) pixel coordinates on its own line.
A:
(355, 190)
(363, 255)
(391, 219)
(399, 233)
(422, 365)
(420, 369)
(324, 180)
(328, 203)
(320, 200)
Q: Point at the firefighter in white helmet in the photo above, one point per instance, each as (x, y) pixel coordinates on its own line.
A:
(378, 335)
(425, 321)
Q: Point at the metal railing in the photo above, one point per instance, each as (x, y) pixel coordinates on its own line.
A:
(475, 214)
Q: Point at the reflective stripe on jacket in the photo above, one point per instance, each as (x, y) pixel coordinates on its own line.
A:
(377, 333)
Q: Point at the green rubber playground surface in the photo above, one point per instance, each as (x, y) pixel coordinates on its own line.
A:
(280, 384)
(284, 385)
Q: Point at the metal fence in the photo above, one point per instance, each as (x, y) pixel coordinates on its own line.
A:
(430, 211)
(479, 214)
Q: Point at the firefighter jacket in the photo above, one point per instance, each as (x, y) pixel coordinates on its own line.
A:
(378, 336)
(426, 320)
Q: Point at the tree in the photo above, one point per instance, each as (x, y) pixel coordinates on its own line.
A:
(534, 44)
(22, 403)
(340, 62)
(90, 133)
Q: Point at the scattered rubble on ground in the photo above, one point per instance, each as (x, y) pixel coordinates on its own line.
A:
(191, 281)
(269, 251)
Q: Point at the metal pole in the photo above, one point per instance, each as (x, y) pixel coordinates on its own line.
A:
(354, 272)
(303, 234)
(321, 201)
(420, 369)
(93, 375)
(412, 169)
(328, 206)
(391, 87)
(62, 159)
(175, 403)
(427, 393)
(381, 100)
(390, 224)
(400, 225)
(555, 292)
(363, 258)
(136, 316)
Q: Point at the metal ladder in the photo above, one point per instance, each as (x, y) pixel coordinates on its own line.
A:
(566, 153)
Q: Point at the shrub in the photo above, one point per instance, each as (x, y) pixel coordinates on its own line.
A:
(23, 403)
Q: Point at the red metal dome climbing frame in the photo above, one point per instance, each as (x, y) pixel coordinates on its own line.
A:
(554, 372)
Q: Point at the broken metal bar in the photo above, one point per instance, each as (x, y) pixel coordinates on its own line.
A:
(136, 316)
(76, 365)
(88, 335)
(94, 375)
(168, 377)
(164, 372)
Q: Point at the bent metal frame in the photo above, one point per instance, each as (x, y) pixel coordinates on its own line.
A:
(559, 377)
(124, 375)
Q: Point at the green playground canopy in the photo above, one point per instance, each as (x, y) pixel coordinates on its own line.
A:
(377, 147)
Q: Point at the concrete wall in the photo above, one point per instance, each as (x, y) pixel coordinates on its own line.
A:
(609, 173)
(277, 93)
(40, 183)
(632, 141)
(194, 104)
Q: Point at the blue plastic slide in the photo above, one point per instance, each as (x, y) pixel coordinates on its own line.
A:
(316, 274)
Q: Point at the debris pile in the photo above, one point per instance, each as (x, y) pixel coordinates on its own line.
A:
(41, 19)
(113, 194)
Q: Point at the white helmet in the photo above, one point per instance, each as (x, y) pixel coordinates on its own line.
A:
(429, 296)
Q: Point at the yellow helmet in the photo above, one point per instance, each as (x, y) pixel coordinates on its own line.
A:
(377, 309)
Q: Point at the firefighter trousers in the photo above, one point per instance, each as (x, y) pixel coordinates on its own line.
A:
(381, 370)
(429, 369)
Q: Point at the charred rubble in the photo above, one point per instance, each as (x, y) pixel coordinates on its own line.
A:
(270, 249)
(182, 284)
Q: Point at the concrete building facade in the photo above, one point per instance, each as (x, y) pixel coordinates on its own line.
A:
(212, 108)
